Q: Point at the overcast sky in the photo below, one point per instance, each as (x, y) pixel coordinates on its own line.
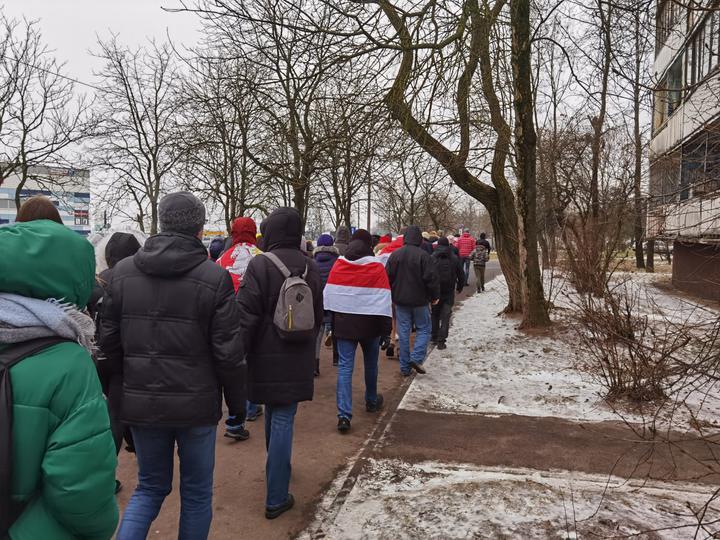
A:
(71, 27)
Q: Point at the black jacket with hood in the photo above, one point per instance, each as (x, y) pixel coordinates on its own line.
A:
(359, 327)
(444, 252)
(412, 274)
(171, 326)
(279, 372)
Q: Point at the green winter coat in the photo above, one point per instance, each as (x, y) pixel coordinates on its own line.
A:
(63, 453)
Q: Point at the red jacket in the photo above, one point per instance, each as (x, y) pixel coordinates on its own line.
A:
(466, 245)
(236, 259)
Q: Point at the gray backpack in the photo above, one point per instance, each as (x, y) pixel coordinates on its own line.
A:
(294, 316)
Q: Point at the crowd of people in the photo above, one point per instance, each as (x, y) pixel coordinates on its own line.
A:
(146, 352)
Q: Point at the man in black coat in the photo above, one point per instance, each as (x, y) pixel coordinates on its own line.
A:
(415, 286)
(451, 276)
(170, 326)
(280, 373)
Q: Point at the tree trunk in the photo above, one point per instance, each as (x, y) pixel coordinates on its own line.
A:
(650, 265)
(534, 307)
(637, 134)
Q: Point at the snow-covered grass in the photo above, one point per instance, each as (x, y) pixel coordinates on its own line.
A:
(396, 500)
(491, 367)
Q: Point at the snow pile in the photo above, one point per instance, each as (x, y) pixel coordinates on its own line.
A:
(490, 367)
(393, 499)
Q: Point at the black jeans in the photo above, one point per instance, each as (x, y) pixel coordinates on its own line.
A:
(441, 320)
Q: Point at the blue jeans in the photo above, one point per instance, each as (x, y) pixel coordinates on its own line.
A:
(279, 421)
(466, 268)
(155, 447)
(406, 316)
(251, 408)
(346, 350)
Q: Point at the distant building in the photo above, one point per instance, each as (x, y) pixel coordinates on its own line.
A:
(684, 191)
(68, 189)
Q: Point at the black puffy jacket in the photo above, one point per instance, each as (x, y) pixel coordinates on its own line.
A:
(456, 267)
(171, 327)
(279, 373)
(412, 274)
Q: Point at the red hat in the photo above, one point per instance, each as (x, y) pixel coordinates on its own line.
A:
(244, 230)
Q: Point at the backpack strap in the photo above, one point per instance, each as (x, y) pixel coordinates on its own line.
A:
(278, 263)
(9, 357)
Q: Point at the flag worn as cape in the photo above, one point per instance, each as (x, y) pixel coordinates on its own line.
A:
(358, 287)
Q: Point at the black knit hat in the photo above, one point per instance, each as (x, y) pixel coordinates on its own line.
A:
(181, 212)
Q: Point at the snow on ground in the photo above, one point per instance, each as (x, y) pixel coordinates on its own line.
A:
(490, 367)
(395, 499)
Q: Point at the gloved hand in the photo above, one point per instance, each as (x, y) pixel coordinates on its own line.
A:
(384, 342)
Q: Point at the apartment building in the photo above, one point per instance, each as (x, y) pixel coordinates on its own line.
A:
(67, 188)
(684, 189)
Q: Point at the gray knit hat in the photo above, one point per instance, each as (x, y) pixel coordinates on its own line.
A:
(181, 212)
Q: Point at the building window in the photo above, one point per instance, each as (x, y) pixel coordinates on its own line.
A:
(693, 165)
(668, 15)
(82, 217)
(668, 96)
(703, 50)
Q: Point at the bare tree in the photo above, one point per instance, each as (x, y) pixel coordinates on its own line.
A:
(136, 143)
(219, 118)
(41, 119)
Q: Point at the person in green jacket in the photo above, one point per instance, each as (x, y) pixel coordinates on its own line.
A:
(63, 455)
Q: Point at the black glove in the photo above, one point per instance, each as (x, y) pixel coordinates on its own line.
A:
(384, 342)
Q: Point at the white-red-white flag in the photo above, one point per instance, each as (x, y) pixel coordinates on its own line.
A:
(358, 287)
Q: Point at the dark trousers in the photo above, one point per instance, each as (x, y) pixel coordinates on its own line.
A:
(441, 320)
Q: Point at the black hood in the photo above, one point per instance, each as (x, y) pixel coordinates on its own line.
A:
(281, 229)
(342, 236)
(170, 254)
(413, 236)
(120, 246)
(357, 249)
(442, 252)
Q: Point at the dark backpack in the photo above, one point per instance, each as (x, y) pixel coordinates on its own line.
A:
(446, 273)
(10, 510)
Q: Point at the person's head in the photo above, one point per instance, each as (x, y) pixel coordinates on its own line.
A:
(38, 207)
(309, 246)
(466, 232)
(217, 246)
(181, 213)
(482, 236)
(120, 246)
(442, 241)
(243, 230)
(342, 235)
(426, 235)
(60, 264)
(325, 240)
(281, 229)
(386, 239)
(358, 248)
(375, 240)
(363, 235)
(413, 236)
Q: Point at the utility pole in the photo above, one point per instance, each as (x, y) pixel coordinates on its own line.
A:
(369, 201)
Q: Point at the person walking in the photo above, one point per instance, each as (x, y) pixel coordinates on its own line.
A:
(479, 259)
(342, 239)
(57, 455)
(414, 284)
(451, 277)
(325, 255)
(358, 295)
(484, 241)
(120, 246)
(465, 245)
(280, 372)
(235, 260)
(170, 326)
